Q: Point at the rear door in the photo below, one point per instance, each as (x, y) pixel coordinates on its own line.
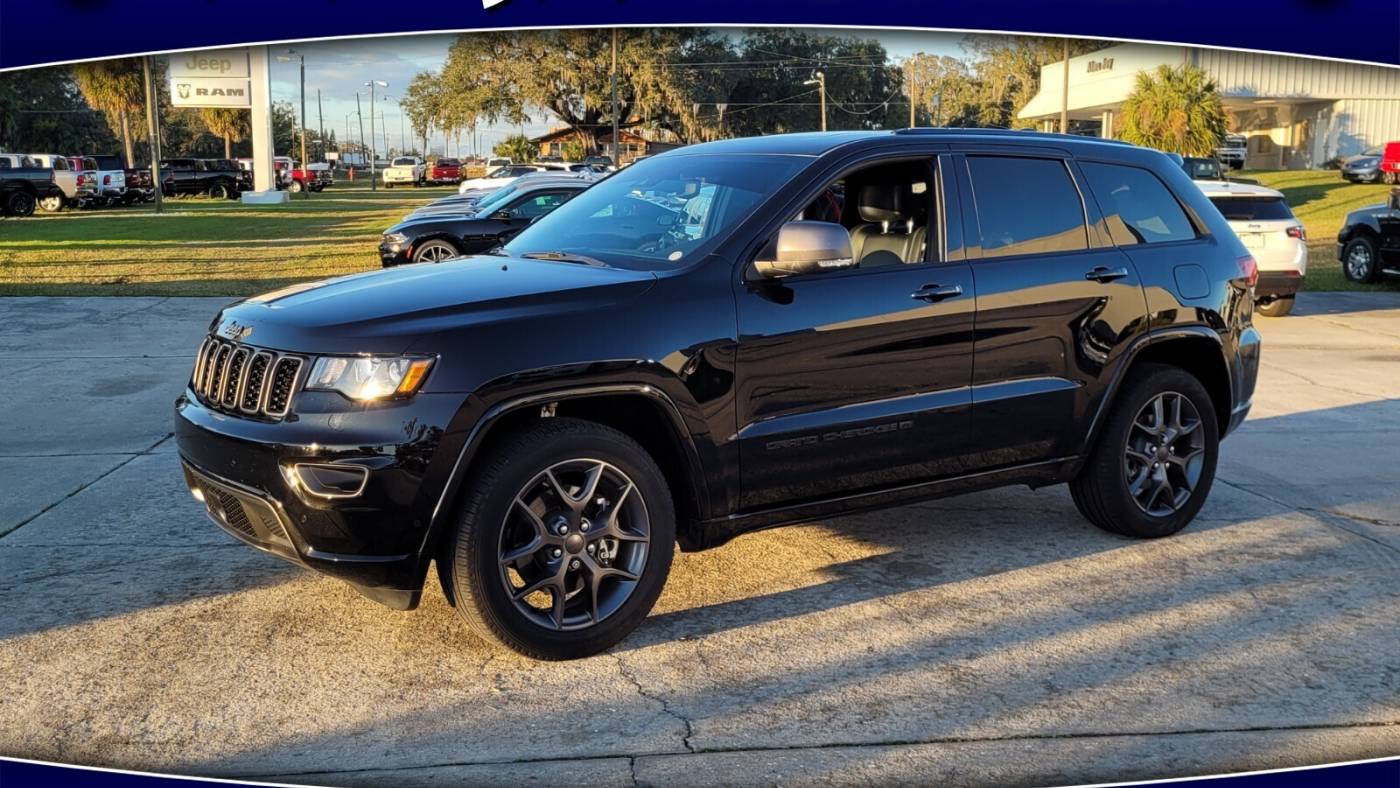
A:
(1055, 301)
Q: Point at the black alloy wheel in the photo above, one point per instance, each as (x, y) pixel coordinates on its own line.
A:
(1153, 461)
(20, 204)
(563, 542)
(1164, 454)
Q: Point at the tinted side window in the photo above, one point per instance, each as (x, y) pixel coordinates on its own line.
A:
(540, 205)
(1026, 206)
(1138, 208)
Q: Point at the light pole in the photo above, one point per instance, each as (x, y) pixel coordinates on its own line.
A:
(305, 165)
(372, 84)
(403, 140)
(820, 82)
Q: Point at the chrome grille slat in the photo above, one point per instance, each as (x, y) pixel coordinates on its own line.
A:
(244, 379)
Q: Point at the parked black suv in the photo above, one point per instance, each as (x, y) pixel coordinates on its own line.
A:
(728, 337)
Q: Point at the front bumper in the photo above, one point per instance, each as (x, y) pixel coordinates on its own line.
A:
(1369, 175)
(395, 254)
(376, 540)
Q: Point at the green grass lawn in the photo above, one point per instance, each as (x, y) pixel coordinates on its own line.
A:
(200, 246)
(209, 247)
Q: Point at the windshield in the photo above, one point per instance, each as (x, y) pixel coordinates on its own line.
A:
(1253, 209)
(1376, 151)
(661, 213)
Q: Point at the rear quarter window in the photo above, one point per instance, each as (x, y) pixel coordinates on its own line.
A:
(1253, 209)
(1137, 207)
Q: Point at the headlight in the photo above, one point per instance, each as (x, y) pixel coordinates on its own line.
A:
(395, 238)
(369, 377)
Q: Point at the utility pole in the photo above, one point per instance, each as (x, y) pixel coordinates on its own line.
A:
(153, 129)
(616, 160)
(912, 92)
(820, 82)
(1064, 94)
(361, 118)
(321, 121)
(372, 84)
(305, 164)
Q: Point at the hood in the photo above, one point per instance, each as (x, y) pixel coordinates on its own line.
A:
(421, 217)
(1361, 160)
(387, 311)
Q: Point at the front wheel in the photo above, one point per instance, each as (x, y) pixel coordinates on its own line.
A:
(563, 542)
(1359, 260)
(51, 204)
(219, 191)
(1276, 307)
(1154, 462)
(295, 187)
(435, 251)
(1391, 178)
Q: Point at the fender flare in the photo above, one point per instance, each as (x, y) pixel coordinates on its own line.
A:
(1151, 337)
(462, 464)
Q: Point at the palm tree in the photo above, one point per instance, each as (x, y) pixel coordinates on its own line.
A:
(230, 123)
(116, 89)
(1177, 110)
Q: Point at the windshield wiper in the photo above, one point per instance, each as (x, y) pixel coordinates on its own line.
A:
(566, 257)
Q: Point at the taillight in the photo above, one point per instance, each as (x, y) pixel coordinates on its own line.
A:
(82, 179)
(106, 180)
(1249, 270)
(1297, 232)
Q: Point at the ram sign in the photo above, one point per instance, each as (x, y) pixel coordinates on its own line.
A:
(216, 78)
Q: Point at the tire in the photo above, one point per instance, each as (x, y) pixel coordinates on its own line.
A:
(388, 185)
(435, 250)
(481, 585)
(218, 191)
(295, 187)
(1391, 178)
(20, 203)
(1278, 307)
(52, 204)
(1359, 263)
(1166, 502)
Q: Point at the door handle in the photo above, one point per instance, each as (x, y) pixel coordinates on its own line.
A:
(1105, 274)
(935, 293)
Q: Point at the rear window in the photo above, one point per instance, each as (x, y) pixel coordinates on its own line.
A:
(1026, 206)
(404, 162)
(109, 163)
(1137, 207)
(1253, 209)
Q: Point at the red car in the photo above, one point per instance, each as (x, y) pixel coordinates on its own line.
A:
(445, 171)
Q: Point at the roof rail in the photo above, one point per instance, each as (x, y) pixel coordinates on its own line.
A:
(1020, 133)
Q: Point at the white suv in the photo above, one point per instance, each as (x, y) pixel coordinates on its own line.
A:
(1274, 236)
(405, 170)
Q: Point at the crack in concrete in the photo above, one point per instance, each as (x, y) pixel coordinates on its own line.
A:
(1325, 516)
(1365, 395)
(659, 700)
(1032, 737)
(26, 521)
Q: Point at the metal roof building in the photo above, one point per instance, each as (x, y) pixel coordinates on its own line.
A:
(1296, 113)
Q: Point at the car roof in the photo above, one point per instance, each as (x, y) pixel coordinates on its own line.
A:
(1233, 189)
(817, 143)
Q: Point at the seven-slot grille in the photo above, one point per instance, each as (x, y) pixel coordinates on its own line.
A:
(240, 378)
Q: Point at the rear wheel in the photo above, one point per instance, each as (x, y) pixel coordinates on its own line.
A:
(218, 191)
(435, 251)
(20, 204)
(295, 187)
(1391, 178)
(1276, 307)
(564, 541)
(1154, 462)
(1359, 260)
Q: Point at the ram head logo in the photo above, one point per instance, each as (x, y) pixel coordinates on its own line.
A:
(183, 89)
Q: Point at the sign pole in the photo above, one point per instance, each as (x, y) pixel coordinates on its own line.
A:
(153, 129)
(264, 178)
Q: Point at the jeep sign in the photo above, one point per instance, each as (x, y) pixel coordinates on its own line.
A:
(211, 63)
(196, 92)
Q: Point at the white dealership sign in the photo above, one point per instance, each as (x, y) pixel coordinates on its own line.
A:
(214, 78)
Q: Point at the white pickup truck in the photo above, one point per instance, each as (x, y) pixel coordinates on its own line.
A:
(405, 170)
(64, 176)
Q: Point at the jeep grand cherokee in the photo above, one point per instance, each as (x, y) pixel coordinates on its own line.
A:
(728, 337)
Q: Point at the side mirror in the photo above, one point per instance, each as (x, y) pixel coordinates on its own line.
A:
(503, 216)
(806, 247)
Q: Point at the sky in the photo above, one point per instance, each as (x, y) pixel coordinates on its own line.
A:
(340, 68)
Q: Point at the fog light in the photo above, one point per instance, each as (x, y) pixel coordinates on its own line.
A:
(331, 481)
(197, 493)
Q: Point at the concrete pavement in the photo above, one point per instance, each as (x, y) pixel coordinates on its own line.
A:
(990, 639)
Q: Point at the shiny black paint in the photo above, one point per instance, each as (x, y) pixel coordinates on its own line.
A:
(469, 233)
(1004, 383)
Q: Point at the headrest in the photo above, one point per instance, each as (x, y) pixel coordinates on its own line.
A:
(879, 203)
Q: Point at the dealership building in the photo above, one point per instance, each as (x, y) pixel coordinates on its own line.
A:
(1296, 113)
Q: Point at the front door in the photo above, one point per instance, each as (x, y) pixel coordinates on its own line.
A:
(857, 379)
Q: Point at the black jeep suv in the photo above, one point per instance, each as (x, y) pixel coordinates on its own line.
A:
(728, 337)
